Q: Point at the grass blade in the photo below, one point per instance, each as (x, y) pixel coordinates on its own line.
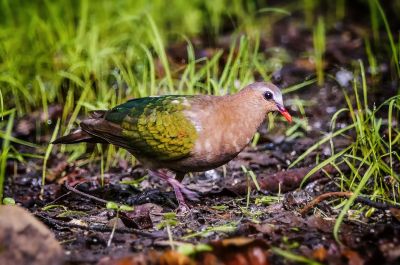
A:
(47, 155)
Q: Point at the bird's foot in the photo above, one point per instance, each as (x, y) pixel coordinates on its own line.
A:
(187, 193)
(180, 191)
(183, 208)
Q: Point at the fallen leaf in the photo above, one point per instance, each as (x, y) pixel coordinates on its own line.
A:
(396, 213)
(56, 171)
(320, 253)
(140, 217)
(174, 258)
(152, 257)
(353, 257)
(241, 251)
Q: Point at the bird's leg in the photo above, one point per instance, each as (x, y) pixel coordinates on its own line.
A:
(178, 193)
(180, 190)
(189, 194)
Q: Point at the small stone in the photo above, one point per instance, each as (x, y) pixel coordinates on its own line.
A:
(344, 77)
(25, 240)
(117, 222)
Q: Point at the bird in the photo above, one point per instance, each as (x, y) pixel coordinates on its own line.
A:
(172, 135)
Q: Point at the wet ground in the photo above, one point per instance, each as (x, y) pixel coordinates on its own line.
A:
(243, 225)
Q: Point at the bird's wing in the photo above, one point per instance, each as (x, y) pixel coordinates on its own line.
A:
(155, 127)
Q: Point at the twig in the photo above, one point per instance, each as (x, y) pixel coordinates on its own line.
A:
(323, 197)
(378, 205)
(74, 190)
(113, 230)
(347, 194)
(57, 199)
(98, 228)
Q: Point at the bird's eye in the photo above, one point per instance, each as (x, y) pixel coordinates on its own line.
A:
(268, 95)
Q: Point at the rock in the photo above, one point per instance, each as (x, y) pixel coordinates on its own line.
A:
(25, 240)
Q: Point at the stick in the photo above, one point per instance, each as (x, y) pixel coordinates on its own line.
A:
(74, 190)
(347, 194)
(98, 228)
(323, 197)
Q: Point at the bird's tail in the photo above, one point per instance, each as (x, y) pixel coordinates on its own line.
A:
(77, 136)
(80, 135)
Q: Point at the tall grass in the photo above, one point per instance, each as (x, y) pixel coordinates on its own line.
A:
(319, 49)
(5, 150)
(72, 43)
(393, 46)
(372, 159)
(53, 52)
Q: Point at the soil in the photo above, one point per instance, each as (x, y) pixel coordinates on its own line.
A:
(238, 233)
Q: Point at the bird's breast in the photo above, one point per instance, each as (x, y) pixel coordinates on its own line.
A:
(220, 139)
(222, 132)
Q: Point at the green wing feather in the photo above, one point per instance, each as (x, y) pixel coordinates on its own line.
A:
(156, 126)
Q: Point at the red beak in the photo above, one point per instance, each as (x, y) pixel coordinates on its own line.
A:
(284, 113)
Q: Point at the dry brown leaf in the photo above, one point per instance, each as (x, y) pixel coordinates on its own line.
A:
(396, 213)
(320, 253)
(174, 258)
(232, 251)
(141, 216)
(56, 171)
(241, 251)
(353, 257)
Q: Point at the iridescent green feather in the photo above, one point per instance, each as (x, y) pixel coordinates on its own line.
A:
(156, 126)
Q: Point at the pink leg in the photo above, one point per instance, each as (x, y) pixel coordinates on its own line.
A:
(180, 190)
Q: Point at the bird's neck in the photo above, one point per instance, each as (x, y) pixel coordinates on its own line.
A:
(247, 110)
(243, 115)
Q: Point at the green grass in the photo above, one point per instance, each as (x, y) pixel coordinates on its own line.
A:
(5, 150)
(371, 157)
(89, 47)
(319, 49)
(45, 48)
(47, 155)
(393, 46)
(298, 259)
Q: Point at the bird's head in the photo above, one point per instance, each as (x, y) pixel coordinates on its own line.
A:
(269, 97)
